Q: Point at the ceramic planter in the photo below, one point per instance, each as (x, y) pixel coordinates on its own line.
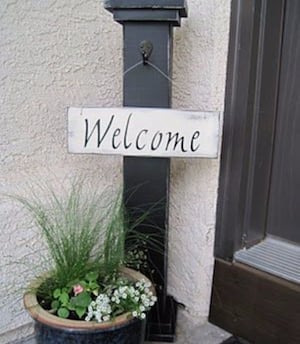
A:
(50, 329)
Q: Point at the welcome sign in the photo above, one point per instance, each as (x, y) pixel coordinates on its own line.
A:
(144, 132)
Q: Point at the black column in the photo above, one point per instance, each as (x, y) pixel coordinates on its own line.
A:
(146, 180)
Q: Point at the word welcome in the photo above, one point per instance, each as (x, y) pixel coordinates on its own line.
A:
(143, 139)
(143, 132)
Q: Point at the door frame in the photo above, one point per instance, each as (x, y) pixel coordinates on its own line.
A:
(247, 302)
(249, 123)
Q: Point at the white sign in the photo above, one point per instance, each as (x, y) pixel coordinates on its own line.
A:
(144, 132)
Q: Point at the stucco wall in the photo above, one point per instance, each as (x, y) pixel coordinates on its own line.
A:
(60, 53)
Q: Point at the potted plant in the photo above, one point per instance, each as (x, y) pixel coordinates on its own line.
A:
(87, 294)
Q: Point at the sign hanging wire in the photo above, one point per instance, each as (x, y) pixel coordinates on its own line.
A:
(130, 69)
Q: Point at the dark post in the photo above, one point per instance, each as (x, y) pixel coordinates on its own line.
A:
(147, 28)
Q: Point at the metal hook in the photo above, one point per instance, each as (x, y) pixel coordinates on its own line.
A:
(146, 48)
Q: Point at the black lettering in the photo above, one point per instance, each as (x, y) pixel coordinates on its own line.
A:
(97, 125)
(115, 134)
(177, 141)
(159, 135)
(126, 131)
(138, 137)
(195, 137)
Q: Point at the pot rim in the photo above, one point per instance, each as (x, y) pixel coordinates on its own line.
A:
(39, 314)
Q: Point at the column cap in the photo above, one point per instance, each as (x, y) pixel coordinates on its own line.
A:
(147, 10)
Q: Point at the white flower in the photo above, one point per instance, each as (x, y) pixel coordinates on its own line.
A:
(98, 316)
(122, 290)
(147, 284)
(125, 292)
(146, 303)
(88, 318)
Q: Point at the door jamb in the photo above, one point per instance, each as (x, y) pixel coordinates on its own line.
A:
(249, 123)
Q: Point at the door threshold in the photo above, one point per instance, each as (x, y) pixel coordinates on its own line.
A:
(254, 305)
(275, 256)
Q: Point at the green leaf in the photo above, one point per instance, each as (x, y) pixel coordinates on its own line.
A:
(56, 293)
(80, 311)
(84, 284)
(72, 283)
(93, 285)
(55, 305)
(91, 276)
(63, 313)
(81, 300)
(64, 298)
(119, 311)
(71, 307)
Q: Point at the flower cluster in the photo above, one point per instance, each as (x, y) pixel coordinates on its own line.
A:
(122, 297)
(100, 309)
(92, 298)
(137, 259)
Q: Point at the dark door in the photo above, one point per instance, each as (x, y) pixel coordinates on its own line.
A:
(256, 286)
(284, 204)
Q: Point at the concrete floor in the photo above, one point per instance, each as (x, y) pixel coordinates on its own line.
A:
(203, 334)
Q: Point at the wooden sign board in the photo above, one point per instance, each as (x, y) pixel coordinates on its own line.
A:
(144, 132)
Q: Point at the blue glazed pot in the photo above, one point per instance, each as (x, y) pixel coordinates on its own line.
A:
(132, 332)
(50, 329)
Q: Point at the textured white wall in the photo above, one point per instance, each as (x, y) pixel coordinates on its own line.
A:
(200, 58)
(60, 53)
